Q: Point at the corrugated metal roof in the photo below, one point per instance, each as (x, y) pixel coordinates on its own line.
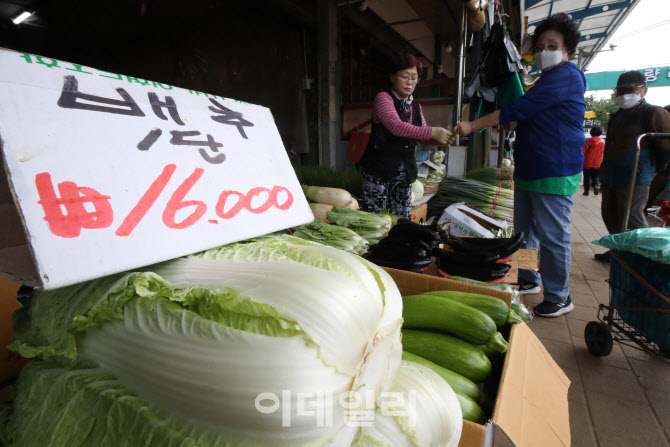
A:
(597, 20)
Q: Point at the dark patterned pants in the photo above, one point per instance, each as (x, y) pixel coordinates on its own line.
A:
(394, 195)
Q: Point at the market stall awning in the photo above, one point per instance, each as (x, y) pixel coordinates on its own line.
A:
(597, 20)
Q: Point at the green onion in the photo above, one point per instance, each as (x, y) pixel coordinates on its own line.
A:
(493, 176)
(488, 199)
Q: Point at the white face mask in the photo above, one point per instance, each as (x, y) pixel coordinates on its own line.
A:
(628, 101)
(548, 59)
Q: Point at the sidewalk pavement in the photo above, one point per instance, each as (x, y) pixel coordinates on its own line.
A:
(620, 400)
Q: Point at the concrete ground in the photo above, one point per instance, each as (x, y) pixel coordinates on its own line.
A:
(619, 400)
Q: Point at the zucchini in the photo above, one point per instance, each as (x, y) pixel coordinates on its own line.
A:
(485, 401)
(448, 352)
(522, 311)
(491, 306)
(457, 382)
(471, 411)
(446, 315)
(490, 353)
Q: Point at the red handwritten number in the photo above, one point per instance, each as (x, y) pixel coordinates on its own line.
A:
(289, 198)
(244, 201)
(264, 207)
(72, 197)
(146, 202)
(177, 202)
(221, 204)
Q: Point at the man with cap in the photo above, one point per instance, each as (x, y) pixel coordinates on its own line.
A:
(634, 117)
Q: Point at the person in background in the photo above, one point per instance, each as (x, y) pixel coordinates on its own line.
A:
(661, 177)
(593, 156)
(388, 165)
(634, 117)
(548, 159)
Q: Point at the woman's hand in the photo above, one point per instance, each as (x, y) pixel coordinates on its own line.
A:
(464, 128)
(441, 135)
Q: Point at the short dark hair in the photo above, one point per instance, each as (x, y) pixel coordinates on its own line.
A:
(596, 131)
(562, 23)
(403, 61)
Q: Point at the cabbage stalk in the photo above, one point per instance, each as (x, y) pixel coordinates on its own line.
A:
(180, 353)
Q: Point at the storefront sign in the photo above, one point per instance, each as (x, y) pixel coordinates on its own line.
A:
(655, 77)
(112, 172)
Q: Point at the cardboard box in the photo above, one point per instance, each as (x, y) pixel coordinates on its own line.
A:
(523, 259)
(531, 408)
(463, 220)
(419, 213)
(10, 362)
(410, 283)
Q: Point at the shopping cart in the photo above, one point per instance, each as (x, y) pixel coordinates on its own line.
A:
(638, 313)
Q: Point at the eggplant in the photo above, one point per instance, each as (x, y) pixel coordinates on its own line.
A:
(413, 231)
(515, 244)
(504, 247)
(480, 258)
(412, 266)
(480, 273)
(393, 250)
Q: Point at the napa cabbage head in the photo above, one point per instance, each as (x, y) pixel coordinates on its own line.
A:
(180, 353)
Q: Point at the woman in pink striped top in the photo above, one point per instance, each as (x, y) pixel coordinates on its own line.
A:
(388, 163)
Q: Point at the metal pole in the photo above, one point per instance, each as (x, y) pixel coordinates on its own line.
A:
(631, 188)
(461, 69)
(580, 56)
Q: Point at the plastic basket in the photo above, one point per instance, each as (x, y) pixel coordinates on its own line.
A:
(629, 292)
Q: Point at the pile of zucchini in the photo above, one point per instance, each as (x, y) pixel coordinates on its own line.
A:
(456, 335)
(476, 258)
(408, 246)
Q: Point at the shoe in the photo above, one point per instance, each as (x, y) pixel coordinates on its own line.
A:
(585, 193)
(595, 191)
(528, 288)
(603, 257)
(553, 310)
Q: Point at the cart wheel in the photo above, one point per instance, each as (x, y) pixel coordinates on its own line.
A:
(598, 338)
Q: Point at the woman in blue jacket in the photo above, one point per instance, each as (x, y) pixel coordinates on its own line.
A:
(548, 159)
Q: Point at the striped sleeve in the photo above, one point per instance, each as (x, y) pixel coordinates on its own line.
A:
(384, 112)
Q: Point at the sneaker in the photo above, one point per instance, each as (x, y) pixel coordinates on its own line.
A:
(528, 288)
(603, 257)
(552, 310)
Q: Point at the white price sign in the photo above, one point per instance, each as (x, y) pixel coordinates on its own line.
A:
(111, 172)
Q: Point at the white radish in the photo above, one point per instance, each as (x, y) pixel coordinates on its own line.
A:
(332, 196)
(354, 204)
(319, 210)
